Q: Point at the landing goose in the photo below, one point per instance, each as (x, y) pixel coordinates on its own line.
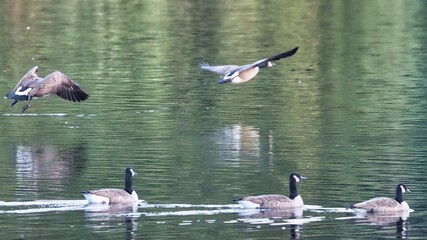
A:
(384, 204)
(275, 201)
(32, 86)
(113, 195)
(239, 74)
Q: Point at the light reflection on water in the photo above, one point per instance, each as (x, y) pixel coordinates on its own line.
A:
(246, 141)
(347, 111)
(58, 166)
(237, 142)
(99, 215)
(103, 211)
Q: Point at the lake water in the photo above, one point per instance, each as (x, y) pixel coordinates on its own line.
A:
(347, 111)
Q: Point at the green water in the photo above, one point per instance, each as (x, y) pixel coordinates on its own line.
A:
(348, 111)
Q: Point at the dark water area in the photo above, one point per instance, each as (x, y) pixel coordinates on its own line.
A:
(347, 111)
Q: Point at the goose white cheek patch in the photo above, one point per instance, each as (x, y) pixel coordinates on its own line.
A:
(296, 178)
(402, 189)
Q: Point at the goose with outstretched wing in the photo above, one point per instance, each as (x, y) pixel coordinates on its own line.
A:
(32, 86)
(240, 74)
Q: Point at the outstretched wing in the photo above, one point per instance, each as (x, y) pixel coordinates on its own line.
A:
(220, 70)
(27, 78)
(264, 62)
(283, 55)
(59, 84)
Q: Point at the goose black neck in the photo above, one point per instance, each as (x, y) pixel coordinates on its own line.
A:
(399, 194)
(293, 191)
(128, 182)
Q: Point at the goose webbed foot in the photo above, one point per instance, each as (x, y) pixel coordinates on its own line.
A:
(13, 103)
(24, 108)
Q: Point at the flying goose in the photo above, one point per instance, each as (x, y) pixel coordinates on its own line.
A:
(113, 195)
(384, 204)
(32, 86)
(239, 74)
(275, 201)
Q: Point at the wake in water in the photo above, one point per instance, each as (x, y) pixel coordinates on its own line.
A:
(272, 217)
(34, 114)
(144, 208)
(46, 115)
(76, 205)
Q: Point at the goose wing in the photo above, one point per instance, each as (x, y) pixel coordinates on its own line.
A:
(220, 70)
(283, 55)
(59, 84)
(29, 77)
(271, 201)
(115, 195)
(379, 204)
(264, 62)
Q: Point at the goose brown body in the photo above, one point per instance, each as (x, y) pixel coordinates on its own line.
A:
(274, 201)
(32, 86)
(381, 204)
(110, 195)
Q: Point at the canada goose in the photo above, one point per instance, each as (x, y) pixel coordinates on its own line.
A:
(240, 74)
(274, 201)
(31, 86)
(113, 195)
(384, 204)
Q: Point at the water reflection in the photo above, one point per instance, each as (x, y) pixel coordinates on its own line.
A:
(109, 210)
(383, 219)
(106, 216)
(391, 223)
(277, 217)
(295, 231)
(58, 165)
(41, 206)
(272, 213)
(365, 100)
(397, 220)
(238, 141)
(401, 229)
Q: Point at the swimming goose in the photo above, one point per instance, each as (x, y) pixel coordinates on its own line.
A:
(240, 74)
(384, 204)
(275, 201)
(113, 195)
(32, 86)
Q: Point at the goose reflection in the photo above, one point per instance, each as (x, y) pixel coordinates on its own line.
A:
(273, 213)
(104, 216)
(280, 217)
(110, 210)
(57, 165)
(238, 140)
(397, 219)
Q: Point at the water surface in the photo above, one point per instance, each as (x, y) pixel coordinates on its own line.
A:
(347, 111)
